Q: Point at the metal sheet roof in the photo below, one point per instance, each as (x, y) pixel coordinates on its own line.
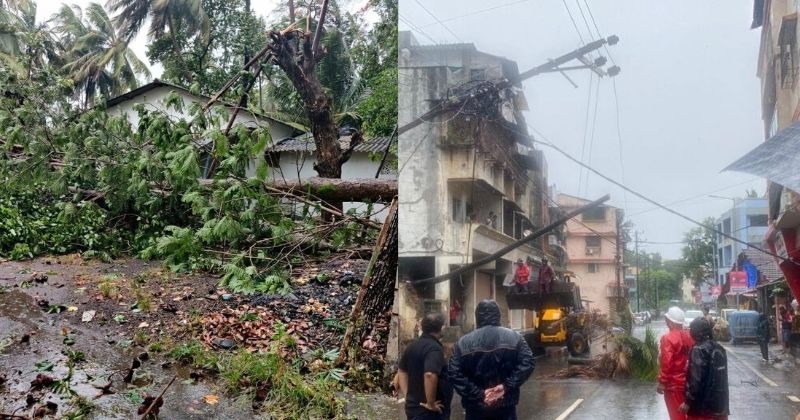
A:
(305, 143)
(764, 263)
(777, 159)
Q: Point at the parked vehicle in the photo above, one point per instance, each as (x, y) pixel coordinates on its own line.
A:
(689, 316)
(742, 326)
(726, 312)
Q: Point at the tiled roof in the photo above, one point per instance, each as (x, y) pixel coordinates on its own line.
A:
(305, 143)
(764, 263)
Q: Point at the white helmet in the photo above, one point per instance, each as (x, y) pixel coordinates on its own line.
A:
(794, 304)
(675, 314)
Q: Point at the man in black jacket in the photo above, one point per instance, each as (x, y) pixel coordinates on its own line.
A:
(706, 376)
(489, 365)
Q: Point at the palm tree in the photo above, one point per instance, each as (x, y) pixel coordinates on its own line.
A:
(98, 57)
(166, 17)
(24, 44)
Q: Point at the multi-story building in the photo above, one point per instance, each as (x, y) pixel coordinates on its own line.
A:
(471, 183)
(747, 222)
(591, 245)
(776, 159)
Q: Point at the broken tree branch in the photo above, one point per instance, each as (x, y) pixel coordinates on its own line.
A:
(377, 290)
(318, 33)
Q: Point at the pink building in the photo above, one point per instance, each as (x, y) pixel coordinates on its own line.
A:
(591, 246)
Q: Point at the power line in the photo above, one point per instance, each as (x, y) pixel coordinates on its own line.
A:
(476, 12)
(591, 137)
(574, 25)
(619, 143)
(416, 29)
(597, 28)
(437, 19)
(548, 143)
(586, 128)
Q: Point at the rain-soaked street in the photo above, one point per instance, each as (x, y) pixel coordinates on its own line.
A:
(757, 390)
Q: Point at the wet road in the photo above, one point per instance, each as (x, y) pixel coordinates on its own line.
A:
(757, 390)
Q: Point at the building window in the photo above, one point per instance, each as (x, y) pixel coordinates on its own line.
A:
(477, 74)
(787, 40)
(597, 214)
(757, 220)
(592, 245)
(726, 226)
(594, 267)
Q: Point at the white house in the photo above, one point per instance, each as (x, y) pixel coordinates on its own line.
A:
(154, 96)
(293, 158)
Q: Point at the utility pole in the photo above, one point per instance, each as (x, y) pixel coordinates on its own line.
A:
(495, 86)
(638, 292)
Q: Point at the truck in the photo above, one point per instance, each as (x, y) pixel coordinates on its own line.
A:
(560, 319)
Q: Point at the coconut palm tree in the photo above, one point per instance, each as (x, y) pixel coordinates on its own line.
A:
(167, 17)
(24, 44)
(99, 60)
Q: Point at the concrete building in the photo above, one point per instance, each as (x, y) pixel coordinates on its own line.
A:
(746, 221)
(470, 181)
(591, 245)
(777, 157)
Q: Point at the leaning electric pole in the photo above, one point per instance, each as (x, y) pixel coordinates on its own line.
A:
(494, 86)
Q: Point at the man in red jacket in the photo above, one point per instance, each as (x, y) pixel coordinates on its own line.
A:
(676, 345)
(522, 277)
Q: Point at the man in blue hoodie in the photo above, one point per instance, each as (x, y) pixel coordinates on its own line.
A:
(489, 365)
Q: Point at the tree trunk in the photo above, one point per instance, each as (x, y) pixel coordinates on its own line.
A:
(372, 310)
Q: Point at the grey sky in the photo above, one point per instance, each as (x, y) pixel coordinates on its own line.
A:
(689, 98)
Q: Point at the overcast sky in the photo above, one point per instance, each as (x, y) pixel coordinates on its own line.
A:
(689, 98)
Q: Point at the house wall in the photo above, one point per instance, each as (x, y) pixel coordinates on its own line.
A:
(594, 286)
(300, 166)
(154, 100)
(728, 249)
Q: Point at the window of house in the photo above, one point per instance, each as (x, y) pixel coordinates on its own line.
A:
(787, 40)
(726, 226)
(459, 211)
(477, 74)
(757, 220)
(597, 214)
(592, 245)
(594, 267)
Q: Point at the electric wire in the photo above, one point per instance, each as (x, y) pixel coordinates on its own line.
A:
(548, 143)
(574, 25)
(437, 20)
(593, 132)
(476, 12)
(416, 29)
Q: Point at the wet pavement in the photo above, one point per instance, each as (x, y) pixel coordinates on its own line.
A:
(757, 390)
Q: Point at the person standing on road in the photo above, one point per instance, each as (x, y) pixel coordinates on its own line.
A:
(489, 365)
(706, 396)
(762, 336)
(674, 351)
(522, 274)
(786, 326)
(423, 374)
(546, 276)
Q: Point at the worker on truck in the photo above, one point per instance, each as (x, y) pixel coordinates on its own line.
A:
(521, 276)
(546, 276)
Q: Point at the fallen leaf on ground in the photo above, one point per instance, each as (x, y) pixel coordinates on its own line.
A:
(211, 399)
(88, 316)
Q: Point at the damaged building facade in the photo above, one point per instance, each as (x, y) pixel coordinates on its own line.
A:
(471, 183)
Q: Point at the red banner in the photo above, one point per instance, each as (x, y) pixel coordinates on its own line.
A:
(716, 291)
(738, 281)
